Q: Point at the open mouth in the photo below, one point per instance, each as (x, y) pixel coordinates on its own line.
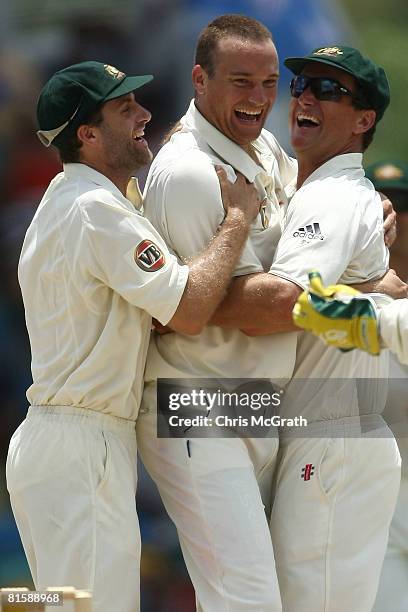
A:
(308, 121)
(250, 116)
(138, 135)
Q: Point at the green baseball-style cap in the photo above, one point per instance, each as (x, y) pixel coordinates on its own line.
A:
(391, 177)
(72, 94)
(371, 78)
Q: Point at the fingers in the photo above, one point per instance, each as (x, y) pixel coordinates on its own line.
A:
(222, 175)
(390, 221)
(316, 283)
(390, 235)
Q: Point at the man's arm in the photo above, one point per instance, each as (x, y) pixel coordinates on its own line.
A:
(390, 284)
(262, 303)
(258, 304)
(209, 273)
(390, 220)
(353, 321)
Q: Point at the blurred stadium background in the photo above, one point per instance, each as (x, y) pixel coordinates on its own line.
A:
(38, 37)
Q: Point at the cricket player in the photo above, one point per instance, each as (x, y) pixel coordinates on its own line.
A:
(93, 271)
(211, 487)
(391, 177)
(317, 524)
(328, 547)
(387, 327)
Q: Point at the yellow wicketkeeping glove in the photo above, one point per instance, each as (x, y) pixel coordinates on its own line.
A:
(340, 315)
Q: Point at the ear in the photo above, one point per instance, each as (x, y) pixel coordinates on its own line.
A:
(87, 134)
(365, 121)
(200, 78)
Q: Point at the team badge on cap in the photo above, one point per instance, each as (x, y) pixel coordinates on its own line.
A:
(388, 172)
(329, 51)
(114, 72)
(148, 256)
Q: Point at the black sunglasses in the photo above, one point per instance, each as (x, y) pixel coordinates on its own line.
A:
(322, 88)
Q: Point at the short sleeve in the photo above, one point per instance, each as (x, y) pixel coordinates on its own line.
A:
(124, 251)
(320, 234)
(394, 328)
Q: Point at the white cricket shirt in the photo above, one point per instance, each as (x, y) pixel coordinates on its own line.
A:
(183, 202)
(334, 224)
(92, 273)
(394, 328)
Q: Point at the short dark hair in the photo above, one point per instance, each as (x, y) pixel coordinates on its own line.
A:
(69, 145)
(237, 26)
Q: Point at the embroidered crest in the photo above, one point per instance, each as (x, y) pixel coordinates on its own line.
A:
(114, 72)
(388, 172)
(329, 51)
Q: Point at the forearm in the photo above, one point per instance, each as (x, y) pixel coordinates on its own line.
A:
(209, 275)
(258, 304)
(389, 284)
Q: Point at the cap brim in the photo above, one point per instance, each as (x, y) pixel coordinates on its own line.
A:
(129, 83)
(296, 64)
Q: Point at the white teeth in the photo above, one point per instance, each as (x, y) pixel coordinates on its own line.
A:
(248, 112)
(303, 117)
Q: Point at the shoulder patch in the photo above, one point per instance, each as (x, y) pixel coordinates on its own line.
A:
(148, 256)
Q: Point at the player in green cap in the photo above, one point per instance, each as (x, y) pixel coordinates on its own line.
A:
(93, 271)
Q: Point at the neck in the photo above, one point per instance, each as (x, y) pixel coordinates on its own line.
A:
(308, 165)
(248, 148)
(120, 178)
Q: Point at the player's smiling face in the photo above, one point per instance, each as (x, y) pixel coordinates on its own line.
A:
(239, 96)
(322, 129)
(122, 131)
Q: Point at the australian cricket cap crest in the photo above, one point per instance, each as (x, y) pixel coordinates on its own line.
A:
(391, 177)
(371, 77)
(71, 95)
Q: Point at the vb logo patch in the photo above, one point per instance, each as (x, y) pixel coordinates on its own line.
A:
(148, 256)
(307, 471)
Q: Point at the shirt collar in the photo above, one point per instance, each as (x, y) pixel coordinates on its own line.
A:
(92, 175)
(347, 161)
(223, 146)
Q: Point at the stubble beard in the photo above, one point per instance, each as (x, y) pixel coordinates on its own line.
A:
(127, 158)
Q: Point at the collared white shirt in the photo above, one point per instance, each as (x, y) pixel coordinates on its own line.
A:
(183, 202)
(394, 328)
(92, 273)
(334, 224)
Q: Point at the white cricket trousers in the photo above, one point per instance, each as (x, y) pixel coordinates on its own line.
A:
(392, 593)
(71, 475)
(333, 505)
(210, 490)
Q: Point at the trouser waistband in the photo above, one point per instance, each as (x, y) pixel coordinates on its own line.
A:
(346, 427)
(75, 414)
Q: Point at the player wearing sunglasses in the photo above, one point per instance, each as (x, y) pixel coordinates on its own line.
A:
(322, 88)
(328, 528)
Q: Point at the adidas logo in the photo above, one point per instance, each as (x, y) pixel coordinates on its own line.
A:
(311, 232)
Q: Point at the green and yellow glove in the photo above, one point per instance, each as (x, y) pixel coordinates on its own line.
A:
(340, 315)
